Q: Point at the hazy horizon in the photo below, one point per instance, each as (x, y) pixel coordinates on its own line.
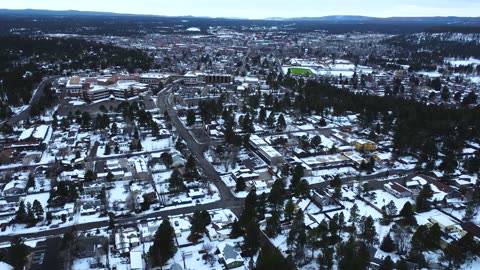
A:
(265, 9)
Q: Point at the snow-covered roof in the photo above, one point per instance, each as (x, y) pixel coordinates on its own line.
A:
(229, 253)
(26, 134)
(38, 132)
(5, 266)
(257, 141)
(136, 261)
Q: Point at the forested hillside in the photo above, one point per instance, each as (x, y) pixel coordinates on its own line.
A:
(25, 60)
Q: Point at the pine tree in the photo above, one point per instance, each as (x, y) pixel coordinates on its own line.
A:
(190, 117)
(37, 210)
(433, 237)
(167, 159)
(199, 222)
(132, 146)
(110, 177)
(422, 202)
(175, 182)
(135, 133)
(271, 258)
(163, 247)
(262, 115)
(354, 214)
(114, 129)
(316, 142)
(18, 253)
(261, 206)
(89, 176)
(191, 171)
(341, 220)
(408, 214)
(369, 232)
(281, 123)
(30, 215)
(325, 259)
(336, 183)
(240, 185)
(419, 241)
(401, 265)
(277, 194)
(387, 244)
(353, 255)
(250, 208)
(273, 225)
(302, 188)
(469, 212)
(298, 173)
(271, 120)
(289, 209)
(108, 150)
(391, 209)
(252, 239)
(236, 230)
(21, 214)
(297, 237)
(387, 264)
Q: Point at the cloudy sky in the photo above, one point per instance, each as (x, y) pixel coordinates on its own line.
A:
(262, 8)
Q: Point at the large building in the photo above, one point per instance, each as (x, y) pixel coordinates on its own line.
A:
(122, 89)
(74, 87)
(114, 86)
(153, 79)
(193, 78)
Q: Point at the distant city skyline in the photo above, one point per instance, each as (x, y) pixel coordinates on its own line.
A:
(255, 9)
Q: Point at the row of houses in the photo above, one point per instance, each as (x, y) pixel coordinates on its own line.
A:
(412, 187)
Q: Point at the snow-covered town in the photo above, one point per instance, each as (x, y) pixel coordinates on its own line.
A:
(241, 149)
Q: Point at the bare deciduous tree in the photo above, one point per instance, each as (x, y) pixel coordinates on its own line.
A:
(208, 248)
(402, 237)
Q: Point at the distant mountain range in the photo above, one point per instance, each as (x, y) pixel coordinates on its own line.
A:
(364, 19)
(46, 12)
(332, 18)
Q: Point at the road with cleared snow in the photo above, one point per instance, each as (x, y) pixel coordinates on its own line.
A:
(227, 199)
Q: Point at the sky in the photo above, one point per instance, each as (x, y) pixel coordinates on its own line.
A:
(256, 9)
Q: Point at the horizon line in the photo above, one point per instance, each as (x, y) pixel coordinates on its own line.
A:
(238, 18)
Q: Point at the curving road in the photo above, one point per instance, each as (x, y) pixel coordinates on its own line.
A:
(38, 94)
(227, 198)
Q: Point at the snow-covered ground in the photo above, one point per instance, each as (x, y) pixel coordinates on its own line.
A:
(382, 198)
(462, 62)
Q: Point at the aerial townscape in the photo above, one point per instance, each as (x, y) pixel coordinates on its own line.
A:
(133, 142)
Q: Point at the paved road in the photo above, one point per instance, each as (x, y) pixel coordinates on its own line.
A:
(92, 157)
(197, 150)
(375, 181)
(227, 199)
(38, 94)
(235, 207)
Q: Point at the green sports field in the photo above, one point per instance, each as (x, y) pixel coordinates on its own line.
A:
(300, 71)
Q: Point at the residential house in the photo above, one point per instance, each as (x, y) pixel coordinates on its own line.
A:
(397, 190)
(440, 189)
(246, 174)
(196, 193)
(126, 239)
(229, 256)
(362, 145)
(216, 232)
(15, 187)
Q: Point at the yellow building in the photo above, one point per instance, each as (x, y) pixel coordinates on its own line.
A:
(451, 229)
(365, 145)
